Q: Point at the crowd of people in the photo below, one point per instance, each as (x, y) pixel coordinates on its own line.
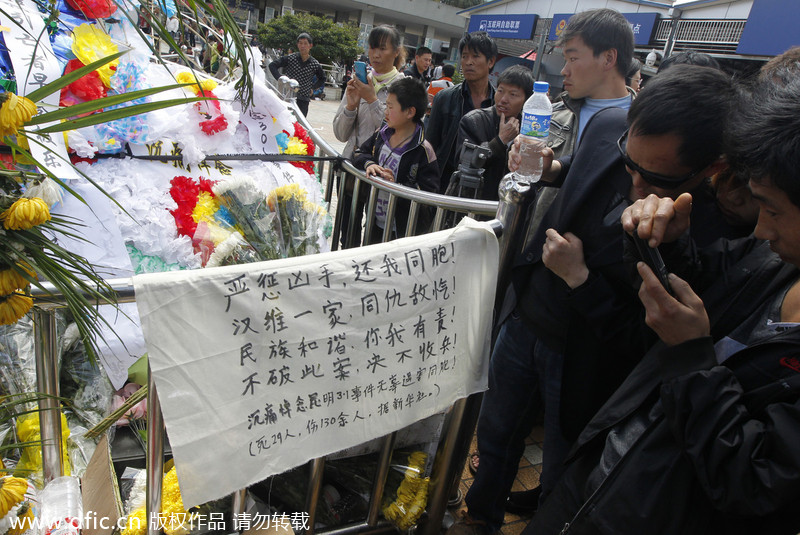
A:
(670, 404)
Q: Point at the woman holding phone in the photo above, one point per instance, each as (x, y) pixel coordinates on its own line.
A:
(361, 111)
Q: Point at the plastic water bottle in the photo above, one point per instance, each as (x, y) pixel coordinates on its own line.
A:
(62, 506)
(535, 128)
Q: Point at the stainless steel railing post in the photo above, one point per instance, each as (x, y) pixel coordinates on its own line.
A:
(155, 456)
(46, 354)
(379, 483)
(317, 467)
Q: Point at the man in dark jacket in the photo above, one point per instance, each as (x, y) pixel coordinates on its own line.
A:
(569, 311)
(421, 67)
(478, 55)
(304, 68)
(702, 436)
(496, 127)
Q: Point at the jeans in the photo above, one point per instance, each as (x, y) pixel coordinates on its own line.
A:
(523, 374)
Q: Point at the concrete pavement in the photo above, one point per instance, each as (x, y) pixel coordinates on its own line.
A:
(321, 114)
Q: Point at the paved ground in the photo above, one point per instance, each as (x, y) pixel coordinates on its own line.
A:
(320, 115)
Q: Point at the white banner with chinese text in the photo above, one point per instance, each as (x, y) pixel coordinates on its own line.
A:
(261, 367)
(35, 65)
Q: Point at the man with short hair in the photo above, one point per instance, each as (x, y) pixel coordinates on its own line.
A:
(304, 68)
(598, 48)
(478, 55)
(569, 328)
(496, 127)
(442, 82)
(702, 435)
(422, 62)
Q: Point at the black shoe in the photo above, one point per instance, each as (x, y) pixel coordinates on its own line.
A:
(523, 503)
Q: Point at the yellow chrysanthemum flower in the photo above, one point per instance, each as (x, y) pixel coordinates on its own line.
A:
(14, 112)
(136, 523)
(310, 208)
(295, 146)
(173, 515)
(13, 307)
(284, 193)
(25, 214)
(208, 84)
(24, 520)
(12, 280)
(186, 77)
(89, 44)
(206, 207)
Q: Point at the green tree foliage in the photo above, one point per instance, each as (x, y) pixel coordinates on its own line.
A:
(332, 42)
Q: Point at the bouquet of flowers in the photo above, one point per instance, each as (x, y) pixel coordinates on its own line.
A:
(408, 503)
(298, 219)
(247, 206)
(281, 224)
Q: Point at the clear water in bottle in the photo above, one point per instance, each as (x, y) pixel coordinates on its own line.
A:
(534, 130)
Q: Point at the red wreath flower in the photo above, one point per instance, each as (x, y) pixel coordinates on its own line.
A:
(302, 135)
(84, 89)
(184, 192)
(210, 109)
(94, 9)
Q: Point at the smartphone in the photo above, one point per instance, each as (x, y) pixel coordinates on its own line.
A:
(652, 257)
(360, 69)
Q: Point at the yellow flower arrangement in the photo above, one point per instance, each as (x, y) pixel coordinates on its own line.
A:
(205, 208)
(14, 112)
(16, 514)
(13, 307)
(412, 494)
(28, 430)
(25, 214)
(185, 77)
(285, 193)
(295, 146)
(89, 44)
(174, 516)
(12, 280)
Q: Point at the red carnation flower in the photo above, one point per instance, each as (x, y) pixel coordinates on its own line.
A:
(94, 9)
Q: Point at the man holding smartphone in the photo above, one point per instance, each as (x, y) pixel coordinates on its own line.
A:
(570, 328)
(702, 435)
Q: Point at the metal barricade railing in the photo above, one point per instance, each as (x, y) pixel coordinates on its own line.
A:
(459, 423)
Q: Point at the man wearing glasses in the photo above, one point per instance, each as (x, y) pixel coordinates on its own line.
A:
(702, 435)
(572, 328)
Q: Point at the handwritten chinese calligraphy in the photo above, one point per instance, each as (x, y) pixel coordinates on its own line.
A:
(308, 356)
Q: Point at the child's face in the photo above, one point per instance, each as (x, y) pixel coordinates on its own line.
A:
(396, 117)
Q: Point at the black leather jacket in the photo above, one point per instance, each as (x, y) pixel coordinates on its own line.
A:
(718, 453)
(442, 131)
(480, 127)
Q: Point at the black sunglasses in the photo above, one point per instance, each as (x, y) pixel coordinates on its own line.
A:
(654, 179)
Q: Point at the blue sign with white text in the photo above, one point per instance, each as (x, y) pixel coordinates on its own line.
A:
(504, 26)
(771, 28)
(642, 24)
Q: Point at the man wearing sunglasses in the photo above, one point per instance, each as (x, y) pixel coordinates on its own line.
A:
(571, 326)
(702, 435)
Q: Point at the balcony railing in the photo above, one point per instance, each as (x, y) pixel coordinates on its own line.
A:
(705, 35)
